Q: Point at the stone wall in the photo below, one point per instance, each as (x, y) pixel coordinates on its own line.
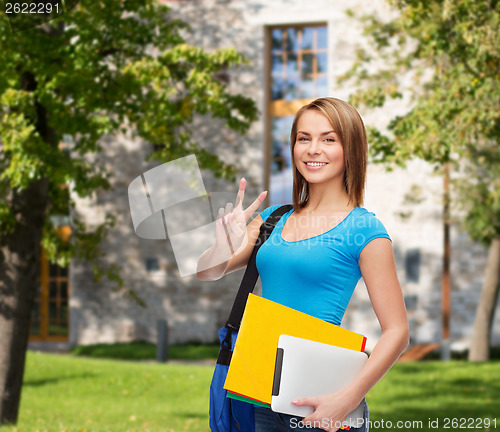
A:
(408, 201)
(194, 309)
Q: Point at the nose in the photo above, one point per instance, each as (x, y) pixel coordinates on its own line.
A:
(314, 147)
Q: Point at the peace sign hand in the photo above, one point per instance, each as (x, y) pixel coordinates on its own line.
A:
(231, 222)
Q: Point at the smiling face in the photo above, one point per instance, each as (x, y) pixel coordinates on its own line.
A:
(332, 132)
(318, 151)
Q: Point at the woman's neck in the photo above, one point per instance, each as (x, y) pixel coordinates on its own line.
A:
(327, 198)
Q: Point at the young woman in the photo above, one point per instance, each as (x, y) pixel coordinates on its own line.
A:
(318, 251)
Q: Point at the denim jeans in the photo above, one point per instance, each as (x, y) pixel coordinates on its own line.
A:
(270, 421)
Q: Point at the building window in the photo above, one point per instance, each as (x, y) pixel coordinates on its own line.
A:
(152, 264)
(298, 73)
(412, 265)
(50, 315)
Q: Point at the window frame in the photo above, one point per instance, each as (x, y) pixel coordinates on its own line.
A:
(44, 298)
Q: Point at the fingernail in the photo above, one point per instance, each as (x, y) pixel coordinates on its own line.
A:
(295, 401)
(243, 179)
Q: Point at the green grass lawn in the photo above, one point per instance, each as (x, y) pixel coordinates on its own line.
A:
(71, 394)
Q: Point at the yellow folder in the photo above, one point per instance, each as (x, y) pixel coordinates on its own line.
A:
(251, 371)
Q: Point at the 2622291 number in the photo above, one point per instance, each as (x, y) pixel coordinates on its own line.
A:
(31, 8)
(469, 423)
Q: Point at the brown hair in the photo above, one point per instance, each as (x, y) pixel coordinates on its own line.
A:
(349, 126)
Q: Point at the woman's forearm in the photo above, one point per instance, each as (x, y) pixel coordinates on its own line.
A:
(390, 346)
(212, 263)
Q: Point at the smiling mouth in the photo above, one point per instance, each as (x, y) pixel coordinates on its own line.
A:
(315, 164)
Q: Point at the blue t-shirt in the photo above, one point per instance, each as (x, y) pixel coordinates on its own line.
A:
(318, 275)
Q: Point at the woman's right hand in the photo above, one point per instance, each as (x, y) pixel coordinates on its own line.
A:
(232, 221)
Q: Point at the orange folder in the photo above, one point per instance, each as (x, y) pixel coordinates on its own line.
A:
(251, 371)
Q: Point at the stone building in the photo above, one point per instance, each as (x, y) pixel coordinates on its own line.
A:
(297, 50)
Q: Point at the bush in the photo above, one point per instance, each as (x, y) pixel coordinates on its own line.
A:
(142, 350)
(462, 355)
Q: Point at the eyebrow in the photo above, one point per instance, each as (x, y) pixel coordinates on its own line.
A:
(321, 134)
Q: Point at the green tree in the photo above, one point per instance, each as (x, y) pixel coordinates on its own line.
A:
(450, 50)
(103, 67)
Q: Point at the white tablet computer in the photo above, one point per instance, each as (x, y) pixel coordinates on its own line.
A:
(306, 369)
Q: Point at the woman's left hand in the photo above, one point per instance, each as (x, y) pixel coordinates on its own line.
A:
(330, 411)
